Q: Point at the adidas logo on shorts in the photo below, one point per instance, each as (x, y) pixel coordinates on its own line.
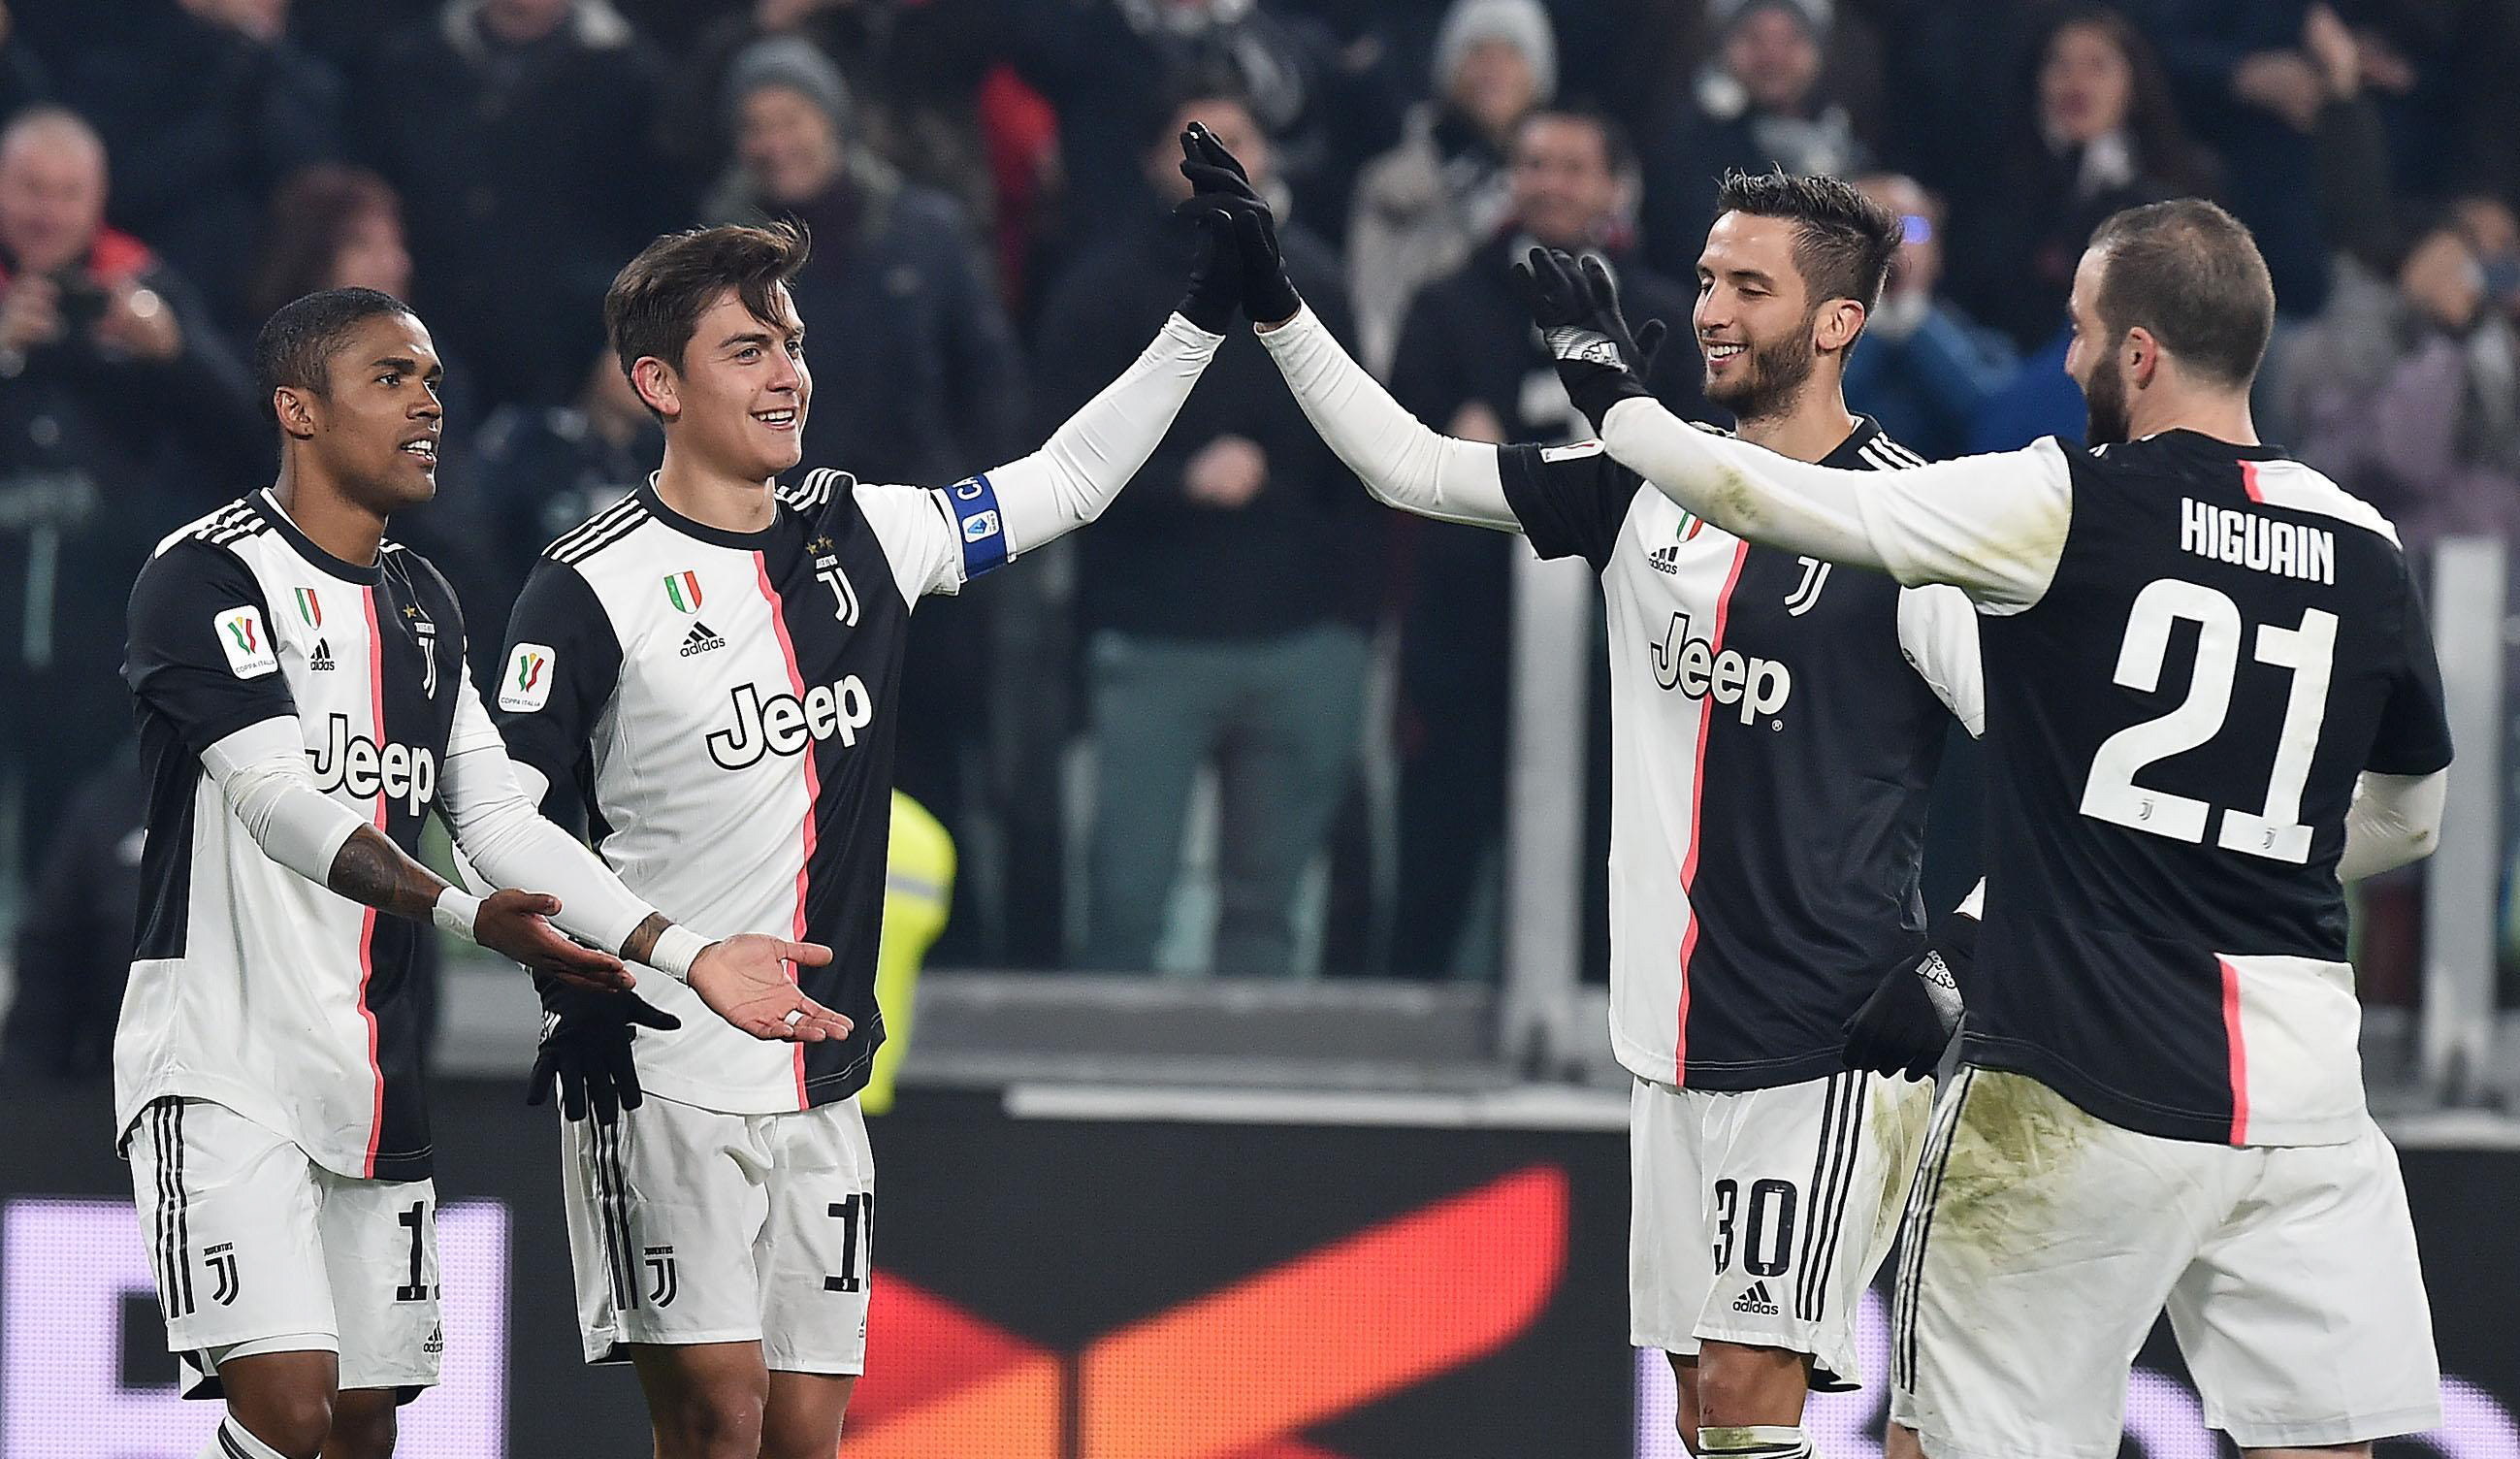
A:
(1757, 1301)
(701, 640)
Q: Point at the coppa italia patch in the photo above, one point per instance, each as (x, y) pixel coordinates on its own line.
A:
(524, 686)
(247, 645)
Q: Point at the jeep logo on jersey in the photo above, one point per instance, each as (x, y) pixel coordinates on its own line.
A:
(366, 769)
(785, 724)
(1691, 666)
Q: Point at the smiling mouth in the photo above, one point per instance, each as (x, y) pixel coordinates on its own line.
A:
(1718, 352)
(424, 451)
(777, 419)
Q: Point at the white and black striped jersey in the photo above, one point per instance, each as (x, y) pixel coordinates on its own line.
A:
(249, 985)
(2192, 651)
(1776, 722)
(723, 707)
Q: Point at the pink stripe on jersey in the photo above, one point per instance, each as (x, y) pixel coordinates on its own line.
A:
(2249, 482)
(1696, 800)
(2240, 1052)
(368, 924)
(813, 776)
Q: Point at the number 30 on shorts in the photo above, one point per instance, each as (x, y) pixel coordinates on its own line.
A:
(1765, 1231)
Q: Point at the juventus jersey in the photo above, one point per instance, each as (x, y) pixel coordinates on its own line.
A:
(723, 705)
(1777, 725)
(2192, 650)
(249, 985)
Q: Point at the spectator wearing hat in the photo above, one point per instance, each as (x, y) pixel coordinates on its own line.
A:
(1424, 204)
(1762, 106)
(530, 176)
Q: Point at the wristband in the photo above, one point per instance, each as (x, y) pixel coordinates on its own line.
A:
(456, 911)
(677, 948)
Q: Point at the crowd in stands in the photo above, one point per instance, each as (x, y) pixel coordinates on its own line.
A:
(1246, 669)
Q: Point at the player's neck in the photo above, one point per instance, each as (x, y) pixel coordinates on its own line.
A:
(2223, 416)
(329, 517)
(714, 498)
(1816, 425)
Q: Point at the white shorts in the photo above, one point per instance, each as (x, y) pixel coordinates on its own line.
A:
(1759, 1215)
(2043, 1242)
(687, 1225)
(251, 1241)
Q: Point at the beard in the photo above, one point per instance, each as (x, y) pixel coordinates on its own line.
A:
(1775, 373)
(2104, 403)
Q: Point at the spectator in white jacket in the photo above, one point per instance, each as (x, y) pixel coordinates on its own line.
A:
(1422, 206)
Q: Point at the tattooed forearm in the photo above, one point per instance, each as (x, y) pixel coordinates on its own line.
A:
(373, 870)
(643, 939)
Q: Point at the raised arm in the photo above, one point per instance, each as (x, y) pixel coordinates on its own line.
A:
(1400, 460)
(1992, 525)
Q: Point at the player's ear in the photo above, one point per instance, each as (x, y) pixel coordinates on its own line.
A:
(657, 385)
(1840, 321)
(2142, 354)
(294, 407)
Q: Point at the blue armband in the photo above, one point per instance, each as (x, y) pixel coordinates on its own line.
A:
(982, 525)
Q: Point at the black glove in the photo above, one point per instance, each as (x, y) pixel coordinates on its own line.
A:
(1908, 1020)
(1215, 275)
(1577, 309)
(586, 1047)
(1220, 185)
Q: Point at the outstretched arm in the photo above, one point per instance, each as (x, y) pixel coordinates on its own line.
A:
(1082, 467)
(1399, 459)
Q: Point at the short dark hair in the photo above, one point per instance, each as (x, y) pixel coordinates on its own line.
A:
(658, 298)
(301, 336)
(2191, 275)
(1843, 241)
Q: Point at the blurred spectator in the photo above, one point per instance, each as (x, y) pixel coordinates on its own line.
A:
(1423, 206)
(536, 471)
(2097, 133)
(917, 372)
(122, 415)
(22, 79)
(913, 71)
(1097, 61)
(2041, 399)
(1225, 592)
(2410, 396)
(1470, 365)
(524, 156)
(74, 945)
(205, 107)
(2275, 86)
(1923, 369)
(1762, 106)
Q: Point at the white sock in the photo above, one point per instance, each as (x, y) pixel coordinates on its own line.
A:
(234, 1441)
(1754, 1441)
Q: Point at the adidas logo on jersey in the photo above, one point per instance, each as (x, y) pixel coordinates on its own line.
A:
(701, 640)
(785, 724)
(1665, 560)
(322, 659)
(1694, 666)
(1756, 1301)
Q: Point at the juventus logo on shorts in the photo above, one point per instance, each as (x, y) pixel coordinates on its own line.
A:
(1806, 594)
(660, 1265)
(222, 1262)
